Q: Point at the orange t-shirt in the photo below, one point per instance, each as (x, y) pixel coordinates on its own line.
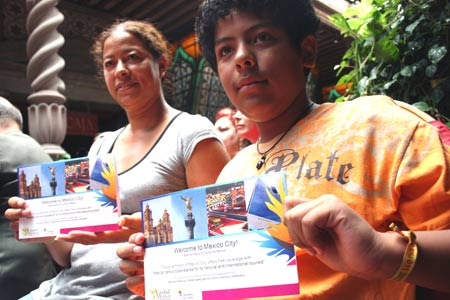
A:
(379, 158)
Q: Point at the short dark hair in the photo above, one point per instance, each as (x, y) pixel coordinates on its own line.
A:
(296, 17)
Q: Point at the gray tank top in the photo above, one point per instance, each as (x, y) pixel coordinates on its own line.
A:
(94, 272)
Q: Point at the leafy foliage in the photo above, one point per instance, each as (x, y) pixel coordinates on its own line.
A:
(399, 48)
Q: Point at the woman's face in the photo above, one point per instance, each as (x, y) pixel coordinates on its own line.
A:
(244, 127)
(227, 133)
(132, 75)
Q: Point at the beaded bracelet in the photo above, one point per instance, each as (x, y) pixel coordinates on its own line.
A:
(410, 256)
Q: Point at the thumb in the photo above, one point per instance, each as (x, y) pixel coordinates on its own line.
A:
(290, 202)
(133, 221)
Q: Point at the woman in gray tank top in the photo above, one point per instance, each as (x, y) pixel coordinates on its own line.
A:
(160, 150)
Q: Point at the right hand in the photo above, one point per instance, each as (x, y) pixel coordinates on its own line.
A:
(19, 210)
(338, 236)
(129, 224)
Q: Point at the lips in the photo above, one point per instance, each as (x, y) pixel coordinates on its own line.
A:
(124, 86)
(249, 82)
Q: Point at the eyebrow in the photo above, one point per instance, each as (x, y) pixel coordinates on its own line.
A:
(127, 50)
(250, 29)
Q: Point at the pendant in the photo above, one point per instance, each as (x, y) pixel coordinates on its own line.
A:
(261, 162)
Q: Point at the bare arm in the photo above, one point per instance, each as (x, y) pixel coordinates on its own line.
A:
(433, 262)
(206, 163)
(60, 252)
(344, 241)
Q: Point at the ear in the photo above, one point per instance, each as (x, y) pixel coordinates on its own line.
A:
(309, 51)
(163, 65)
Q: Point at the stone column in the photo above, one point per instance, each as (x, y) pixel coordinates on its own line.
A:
(46, 113)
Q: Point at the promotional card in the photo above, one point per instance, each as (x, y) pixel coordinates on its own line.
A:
(65, 195)
(221, 241)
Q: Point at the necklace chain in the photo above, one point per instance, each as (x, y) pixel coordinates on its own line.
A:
(262, 159)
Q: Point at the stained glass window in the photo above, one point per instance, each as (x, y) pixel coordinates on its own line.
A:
(196, 87)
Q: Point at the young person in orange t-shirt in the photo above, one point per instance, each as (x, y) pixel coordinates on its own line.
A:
(352, 168)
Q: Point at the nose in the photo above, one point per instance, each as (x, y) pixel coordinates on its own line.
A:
(121, 68)
(244, 58)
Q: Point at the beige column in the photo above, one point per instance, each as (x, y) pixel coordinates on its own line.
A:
(46, 112)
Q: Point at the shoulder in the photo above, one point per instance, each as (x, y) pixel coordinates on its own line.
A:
(378, 108)
(15, 138)
(191, 127)
(194, 121)
(23, 148)
(104, 142)
(379, 103)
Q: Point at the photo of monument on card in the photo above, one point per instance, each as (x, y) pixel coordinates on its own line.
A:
(53, 178)
(213, 210)
(175, 217)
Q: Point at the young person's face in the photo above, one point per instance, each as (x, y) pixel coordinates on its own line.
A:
(260, 70)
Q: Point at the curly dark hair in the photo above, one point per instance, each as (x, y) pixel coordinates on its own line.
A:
(296, 17)
(152, 38)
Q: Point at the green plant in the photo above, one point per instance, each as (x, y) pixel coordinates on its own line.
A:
(399, 48)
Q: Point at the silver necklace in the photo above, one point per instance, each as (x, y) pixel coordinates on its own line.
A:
(262, 159)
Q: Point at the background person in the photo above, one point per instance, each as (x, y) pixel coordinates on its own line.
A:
(224, 111)
(226, 130)
(161, 150)
(246, 129)
(22, 266)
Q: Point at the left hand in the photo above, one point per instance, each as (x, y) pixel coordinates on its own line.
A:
(132, 264)
(130, 224)
(339, 237)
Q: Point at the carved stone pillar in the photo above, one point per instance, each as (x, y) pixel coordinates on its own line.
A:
(46, 114)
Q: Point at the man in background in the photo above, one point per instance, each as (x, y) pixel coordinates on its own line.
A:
(23, 266)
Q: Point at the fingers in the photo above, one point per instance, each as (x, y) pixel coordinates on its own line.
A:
(82, 237)
(136, 284)
(291, 202)
(137, 238)
(132, 264)
(17, 210)
(310, 222)
(126, 251)
(91, 238)
(16, 202)
(133, 221)
(132, 267)
(132, 250)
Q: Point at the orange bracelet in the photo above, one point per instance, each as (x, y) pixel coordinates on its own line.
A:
(410, 256)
